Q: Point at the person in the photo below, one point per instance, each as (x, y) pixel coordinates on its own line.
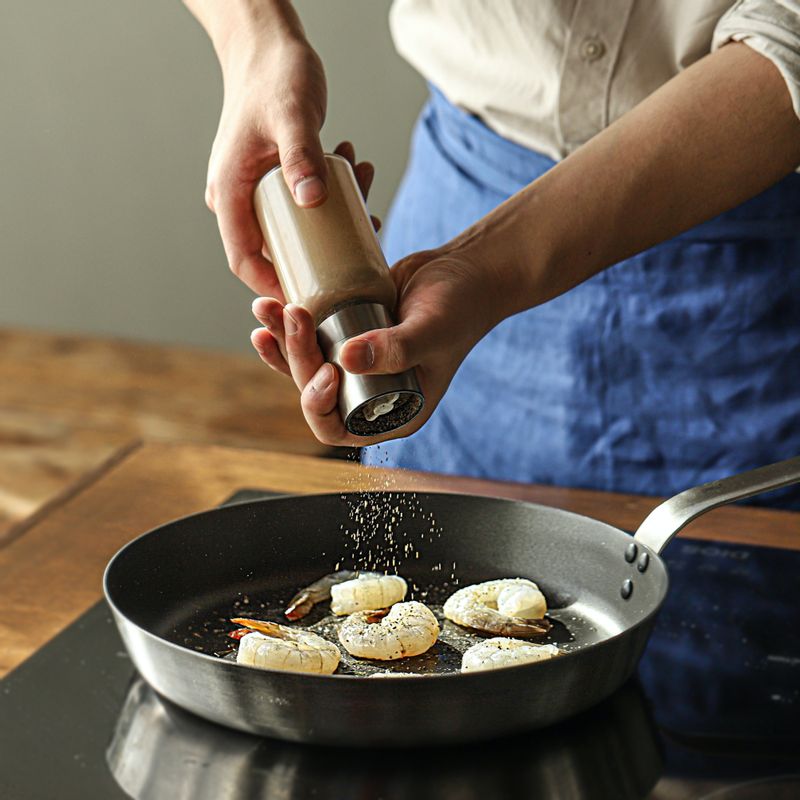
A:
(597, 235)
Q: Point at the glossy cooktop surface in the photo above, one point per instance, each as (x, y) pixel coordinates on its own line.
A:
(714, 713)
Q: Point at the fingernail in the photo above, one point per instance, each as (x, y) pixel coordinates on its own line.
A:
(289, 322)
(362, 353)
(322, 380)
(308, 191)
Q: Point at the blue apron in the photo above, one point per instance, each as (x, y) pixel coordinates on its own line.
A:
(674, 367)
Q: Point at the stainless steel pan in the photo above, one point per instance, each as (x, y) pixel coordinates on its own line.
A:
(172, 588)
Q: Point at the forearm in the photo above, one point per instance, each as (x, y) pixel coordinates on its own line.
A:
(237, 24)
(715, 135)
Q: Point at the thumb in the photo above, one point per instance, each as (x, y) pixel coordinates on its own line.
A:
(303, 162)
(387, 351)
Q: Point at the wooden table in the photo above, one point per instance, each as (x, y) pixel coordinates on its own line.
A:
(69, 402)
(51, 571)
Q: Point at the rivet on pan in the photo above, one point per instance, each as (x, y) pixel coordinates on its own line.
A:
(627, 588)
(644, 561)
(630, 552)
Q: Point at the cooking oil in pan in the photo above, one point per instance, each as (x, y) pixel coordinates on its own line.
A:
(207, 632)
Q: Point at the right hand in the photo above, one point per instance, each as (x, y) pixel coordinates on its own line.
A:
(448, 299)
(274, 107)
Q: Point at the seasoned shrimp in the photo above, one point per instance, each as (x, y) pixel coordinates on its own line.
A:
(367, 592)
(273, 646)
(511, 607)
(521, 598)
(500, 652)
(318, 591)
(406, 629)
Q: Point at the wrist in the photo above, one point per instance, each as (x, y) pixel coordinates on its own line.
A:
(243, 30)
(511, 267)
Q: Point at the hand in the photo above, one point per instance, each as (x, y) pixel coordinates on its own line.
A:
(275, 98)
(445, 306)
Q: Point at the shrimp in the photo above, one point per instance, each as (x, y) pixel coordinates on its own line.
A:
(406, 629)
(273, 646)
(320, 590)
(510, 607)
(367, 592)
(501, 652)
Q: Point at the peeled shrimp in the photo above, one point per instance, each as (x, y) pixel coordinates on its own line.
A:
(406, 629)
(367, 592)
(500, 652)
(320, 590)
(273, 646)
(511, 607)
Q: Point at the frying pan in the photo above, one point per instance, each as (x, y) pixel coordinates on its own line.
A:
(172, 590)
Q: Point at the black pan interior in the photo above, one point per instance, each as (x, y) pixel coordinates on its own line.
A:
(185, 580)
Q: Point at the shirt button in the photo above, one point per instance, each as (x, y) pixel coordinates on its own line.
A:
(592, 48)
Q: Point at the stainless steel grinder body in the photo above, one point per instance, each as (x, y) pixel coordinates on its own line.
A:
(328, 259)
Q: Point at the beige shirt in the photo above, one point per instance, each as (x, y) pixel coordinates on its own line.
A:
(550, 74)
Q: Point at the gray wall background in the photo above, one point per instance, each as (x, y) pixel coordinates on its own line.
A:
(108, 110)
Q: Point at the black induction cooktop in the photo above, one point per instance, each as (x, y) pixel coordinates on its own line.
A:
(713, 714)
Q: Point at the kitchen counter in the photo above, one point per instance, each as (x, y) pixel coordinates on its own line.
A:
(51, 569)
(68, 403)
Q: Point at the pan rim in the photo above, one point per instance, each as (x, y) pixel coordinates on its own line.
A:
(389, 678)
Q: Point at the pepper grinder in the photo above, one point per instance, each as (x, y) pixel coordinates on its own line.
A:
(328, 259)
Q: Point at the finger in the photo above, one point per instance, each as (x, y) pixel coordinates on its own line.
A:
(209, 198)
(365, 174)
(319, 401)
(385, 351)
(242, 237)
(302, 349)
(303, 162)
(346, 150)
(267, 348)
(269, 312)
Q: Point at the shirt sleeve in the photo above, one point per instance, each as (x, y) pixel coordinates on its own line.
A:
(770, 27)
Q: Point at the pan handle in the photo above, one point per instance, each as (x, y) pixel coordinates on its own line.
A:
(674, 514)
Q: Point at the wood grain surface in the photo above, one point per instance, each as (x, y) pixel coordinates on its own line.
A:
(67, 403)
(51, 572)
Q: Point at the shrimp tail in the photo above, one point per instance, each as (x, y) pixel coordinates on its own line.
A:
(525, 628)
(377, 615)
(302, 603)
(262, 626)
(299, 606)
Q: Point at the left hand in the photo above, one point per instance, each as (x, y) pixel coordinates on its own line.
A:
(445, 306)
